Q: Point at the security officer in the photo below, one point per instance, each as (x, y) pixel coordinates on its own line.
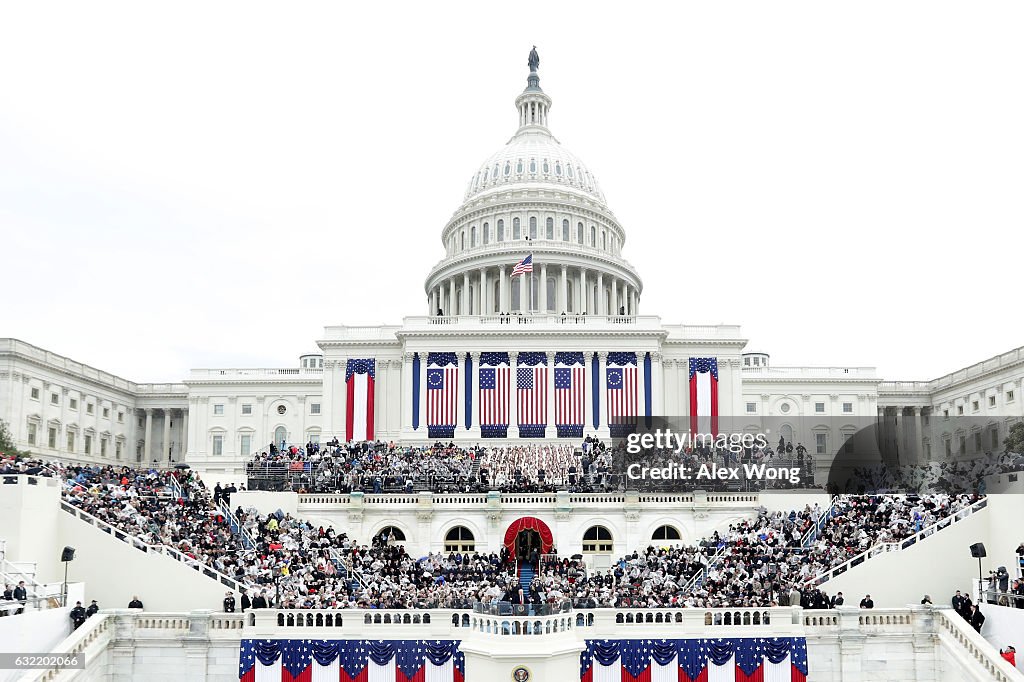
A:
(77, 615)
(93, 609)
(229, 603)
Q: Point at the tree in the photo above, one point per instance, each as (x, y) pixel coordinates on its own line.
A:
(1015, 438)
(7, 442)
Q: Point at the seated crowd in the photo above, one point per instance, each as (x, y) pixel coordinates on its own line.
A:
(281, 559)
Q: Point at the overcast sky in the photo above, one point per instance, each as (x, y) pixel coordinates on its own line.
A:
(210, 184)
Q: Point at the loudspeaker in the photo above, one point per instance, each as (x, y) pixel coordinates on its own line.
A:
(68, 554)
(978, 550)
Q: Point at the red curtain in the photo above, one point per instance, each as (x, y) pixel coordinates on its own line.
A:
(528, 523)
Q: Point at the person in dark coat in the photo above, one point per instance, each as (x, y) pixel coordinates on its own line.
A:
(21, 595)
(867, 602)
(93, 609)
(77, 616)
(246, 602)
(259, 602)
(958, 602)
(975, 618)
(229, 603)
(135, 603)
(837, 600)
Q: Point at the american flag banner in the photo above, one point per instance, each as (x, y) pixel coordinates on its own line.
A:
(704, 396)
(532, 394)
(351, 660)
(570, 394)
(753, 659)
(442, 394)
(359, 383)
(495, 380)
(622, 390)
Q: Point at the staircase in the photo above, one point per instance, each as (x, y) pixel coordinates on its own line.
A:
(526, 575)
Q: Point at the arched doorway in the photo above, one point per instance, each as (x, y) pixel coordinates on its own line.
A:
(280, 435)
(527, 539)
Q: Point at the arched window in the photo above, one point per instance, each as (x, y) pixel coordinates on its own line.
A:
(558, 168)
(549, 230)
(597, 539)
(533, 165)
(579, 232)
(496, 297)
(569, 171)
(485, 175)
(533, 227)
(280, 435)
(472, 236)
(604, 240)
(487, 233)
(508, 168)
(501, 230)
(495, 176)
(517, 232)
(462, 240)
(593, 236)
(570, 296)
(514, 293)
(550, 302)
(519, 166)
(391, 534)
(533, 293)
(666, 533)
(459, 539)
(565, 230)
(547, 168)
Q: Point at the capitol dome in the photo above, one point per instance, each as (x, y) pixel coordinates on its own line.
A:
(533, 198)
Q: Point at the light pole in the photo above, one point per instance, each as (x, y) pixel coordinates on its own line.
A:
(66, 556)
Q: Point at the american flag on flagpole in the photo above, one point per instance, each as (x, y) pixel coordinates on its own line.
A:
(532, 394)
(495, 382)
(570, 394)
(523, 266)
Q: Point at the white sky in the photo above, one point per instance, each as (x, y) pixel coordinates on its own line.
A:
(209, 184)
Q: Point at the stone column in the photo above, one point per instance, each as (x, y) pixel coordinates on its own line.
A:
(552, 430)
(542, 301)
(583, 291)
(602, 359)
(166, 445)
(405, 404)
(503, 306)
(563, 293)
(614, 298)
(147, 447)
(627, 299)
(184, 434)
(464, 304)
(599, 303)
(451, 297)
(485, 306)
(474, 429)
(657, 385)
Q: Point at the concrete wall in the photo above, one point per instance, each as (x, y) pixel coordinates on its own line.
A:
(29, 506)
(1003, 626)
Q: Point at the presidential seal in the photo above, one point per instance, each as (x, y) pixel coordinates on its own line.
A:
(521, 674)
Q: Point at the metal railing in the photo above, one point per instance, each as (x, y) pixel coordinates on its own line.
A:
(814, 531)
(883, 547)
(146, 547)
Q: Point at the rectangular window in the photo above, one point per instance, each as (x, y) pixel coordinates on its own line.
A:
(51, 438)
(977, 441)
(949, 447)
(848, 443)
(31, 434)
(71, 441)
(991, 401)
(54, 399)
(246, 408)
(1009, 396)
(963, 444)
(847, 408)
(819, 408)
(103, 447)
(106, 413)
(959, 409)
(218, 445)
(945, 414)
(314, 438)
(141, 422)
(928, 450)
(218, 408)
(975, 406)
(751, 408)
(246, 446)
(314, 408)
(89, 408)
(120, 417)
(88, 444)
(34, 393)
(820, 443)
(73, 403)
(117, 449)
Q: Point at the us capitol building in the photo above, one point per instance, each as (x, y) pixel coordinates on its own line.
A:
(554, 353)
